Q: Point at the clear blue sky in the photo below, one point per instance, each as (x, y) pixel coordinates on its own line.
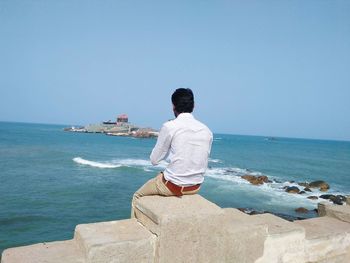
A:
(273, 68)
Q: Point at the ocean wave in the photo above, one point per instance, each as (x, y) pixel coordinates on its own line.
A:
(275, 188)
(82, 161)
(141, 163)
(215, 160)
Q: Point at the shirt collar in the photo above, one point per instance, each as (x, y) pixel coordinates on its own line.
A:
(184, 115)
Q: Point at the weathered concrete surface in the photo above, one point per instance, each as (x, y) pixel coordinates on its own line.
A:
(53, 252)
(337, 259)
(341, 212)
(326, 238)
(189, 229)
(241, 231)
(115, 241)
(285, 240)
(185, 228)
(192, 229)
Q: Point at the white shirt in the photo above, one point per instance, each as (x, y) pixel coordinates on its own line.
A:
(185, 143)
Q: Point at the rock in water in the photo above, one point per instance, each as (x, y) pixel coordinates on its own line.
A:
(292, 190)
(342, 197)
(338, 200)
(322, 185)
(305, 184)
(327, 196)
(312, 197)
(256, 180)
(307, 189)
(301, 210)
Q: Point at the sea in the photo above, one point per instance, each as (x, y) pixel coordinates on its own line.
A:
(52, 180)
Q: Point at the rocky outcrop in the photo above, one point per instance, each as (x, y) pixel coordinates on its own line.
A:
(292, 190)
(321, 185)
(305, 184)
(301, 210)
(255, 180)
(336, 199)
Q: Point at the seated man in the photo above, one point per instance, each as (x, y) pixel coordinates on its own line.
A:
(185, 143)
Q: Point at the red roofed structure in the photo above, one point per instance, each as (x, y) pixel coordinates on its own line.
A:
(122, 118)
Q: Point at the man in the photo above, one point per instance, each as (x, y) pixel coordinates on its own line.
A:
(185, 143)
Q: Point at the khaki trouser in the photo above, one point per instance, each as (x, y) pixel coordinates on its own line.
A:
(155, 186)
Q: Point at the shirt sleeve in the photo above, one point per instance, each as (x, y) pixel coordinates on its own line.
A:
(162, 147)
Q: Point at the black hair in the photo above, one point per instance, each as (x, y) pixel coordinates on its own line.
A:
(183, 100)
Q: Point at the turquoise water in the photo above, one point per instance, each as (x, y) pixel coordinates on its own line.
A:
(51, 180)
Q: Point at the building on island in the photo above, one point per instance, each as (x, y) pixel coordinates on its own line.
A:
(122, 118)
(121, 127)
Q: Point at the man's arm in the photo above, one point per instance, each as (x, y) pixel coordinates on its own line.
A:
(162, 146)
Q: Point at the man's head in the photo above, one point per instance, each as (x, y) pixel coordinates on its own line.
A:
(183, 101)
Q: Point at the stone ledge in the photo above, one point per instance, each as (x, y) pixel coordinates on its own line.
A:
(192, 229)
(341, 212)
(240, 232)
(53, 252)
(326, 238)
(115, 241)
(187, 227)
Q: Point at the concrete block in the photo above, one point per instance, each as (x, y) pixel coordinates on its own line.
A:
(115, 242)
(51, 252)
(341, 212)
(285, 240)
(189, 229)
(244, 239)
(326, 239)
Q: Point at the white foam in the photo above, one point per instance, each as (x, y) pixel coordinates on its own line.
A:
(273, 190)
(132, 162)
(95, 164)
(215, 160)
(141, 163)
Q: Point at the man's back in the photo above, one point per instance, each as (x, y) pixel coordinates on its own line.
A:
(187, 144)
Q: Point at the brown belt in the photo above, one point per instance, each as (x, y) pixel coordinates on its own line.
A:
(178, 190)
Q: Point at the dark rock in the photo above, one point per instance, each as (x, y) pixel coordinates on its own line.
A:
(312, 197)
(292, 190)
(292, 182)
(302, 192)
(327, 196)
(307, 189)
(301, 210)
(255, 180)
(322, 185)
(338, 200)
(304, 184)
(256, 212)
(249, 211)
(342, 197)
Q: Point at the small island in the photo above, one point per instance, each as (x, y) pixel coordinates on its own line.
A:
(121, 127)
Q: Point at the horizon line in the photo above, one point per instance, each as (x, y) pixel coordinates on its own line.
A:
(223, 133)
